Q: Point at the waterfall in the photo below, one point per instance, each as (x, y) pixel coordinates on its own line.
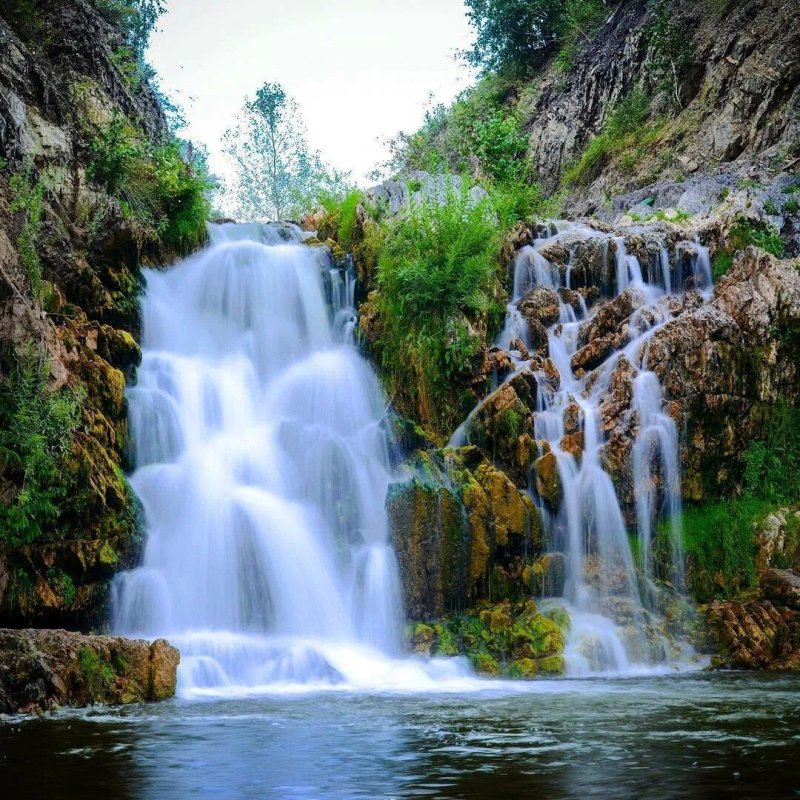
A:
(262, 466)
(614, 624)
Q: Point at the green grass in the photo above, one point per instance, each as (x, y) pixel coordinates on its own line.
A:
(625, 135)
(97, 673)
(438, 272)
(748, 232)
(723, 261)
(791, 207)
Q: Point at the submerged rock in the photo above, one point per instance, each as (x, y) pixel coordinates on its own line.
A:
(43, 669)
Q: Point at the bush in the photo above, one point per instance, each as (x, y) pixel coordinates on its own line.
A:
(35, 434)
(438, 274)
(163, 189)
(750, 232)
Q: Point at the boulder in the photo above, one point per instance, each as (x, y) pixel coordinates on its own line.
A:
(43, 669)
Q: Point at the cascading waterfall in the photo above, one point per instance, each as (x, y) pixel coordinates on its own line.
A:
(262, 466)
(612, 628)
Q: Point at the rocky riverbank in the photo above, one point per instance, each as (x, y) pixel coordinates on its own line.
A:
(41, 670)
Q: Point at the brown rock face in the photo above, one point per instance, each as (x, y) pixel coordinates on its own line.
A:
(41, 670)
(781, 587)
(754, 635)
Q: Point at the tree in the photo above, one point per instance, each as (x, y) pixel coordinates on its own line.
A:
(277, 175)
(516, 37)
(512, 36)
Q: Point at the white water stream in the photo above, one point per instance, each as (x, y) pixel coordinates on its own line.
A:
(614, 627)
(262, 466)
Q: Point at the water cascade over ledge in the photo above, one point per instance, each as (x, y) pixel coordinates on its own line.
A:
(262, 466)
(615, 625)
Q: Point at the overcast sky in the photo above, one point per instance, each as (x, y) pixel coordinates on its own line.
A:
(361, 70)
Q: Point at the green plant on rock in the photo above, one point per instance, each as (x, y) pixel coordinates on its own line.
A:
(28, 200)
(750, 232)
(625, 133)
(98, 674)
(791, 207)
(438, 274)
(163, 189)
(36, 427)
(670, 50)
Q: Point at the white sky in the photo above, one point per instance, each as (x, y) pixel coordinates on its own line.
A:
(361, 70)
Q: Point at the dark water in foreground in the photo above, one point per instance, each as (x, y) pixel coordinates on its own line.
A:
(691, 736)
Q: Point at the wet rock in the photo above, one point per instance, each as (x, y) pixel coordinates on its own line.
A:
(461, 530)
(781, 587)
(541, 306)
(547, 479)
(754, 635)
(547, 575)
(43, 669)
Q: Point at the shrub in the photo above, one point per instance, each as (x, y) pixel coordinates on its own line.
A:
(750, 232)
(35, 434)
(791, 207)
(438, 273)
(163, 189)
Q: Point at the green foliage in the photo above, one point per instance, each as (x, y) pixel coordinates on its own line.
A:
(720, 546)
(791, 207)
(580, 21)
(277, 174)
(516, 37)
(770, 207)
(98, 674)
(164, 188)
(137, 19)
(501, 145)
(36, 426)
(750, 232)
(677, 215)
(671, 50)
(721, 264)
(792, 188)
(624, 133)
(438, 269)
(61, 584)
(343, 215)
(772, 464)
(27, 199)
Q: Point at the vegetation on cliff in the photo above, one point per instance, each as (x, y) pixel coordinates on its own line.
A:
(93, 182)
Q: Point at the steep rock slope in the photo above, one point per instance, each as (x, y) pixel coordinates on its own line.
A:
(69, 280)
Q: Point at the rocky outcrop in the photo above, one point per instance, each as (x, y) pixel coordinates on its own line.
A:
(516, 640)
(754, 635)
(727, 363)
(43, 669)
(738, 90)
(62, 78)
(462, 532)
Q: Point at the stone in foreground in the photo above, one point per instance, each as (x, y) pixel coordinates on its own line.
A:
(43, 669)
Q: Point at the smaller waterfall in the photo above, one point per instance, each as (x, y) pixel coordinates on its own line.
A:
(612, 621)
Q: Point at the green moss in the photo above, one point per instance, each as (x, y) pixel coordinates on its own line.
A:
(62, 585)
(484, 663)
(97, 674)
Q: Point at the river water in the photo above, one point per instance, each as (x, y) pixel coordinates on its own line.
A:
(696, 735)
